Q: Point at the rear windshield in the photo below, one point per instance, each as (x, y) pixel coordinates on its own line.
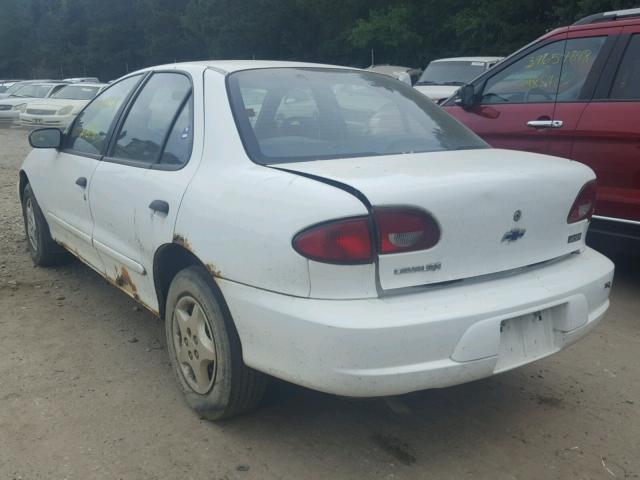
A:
(77, 92)
(302, 114)
(451, 73)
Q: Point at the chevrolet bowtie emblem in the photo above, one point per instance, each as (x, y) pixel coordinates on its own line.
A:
(513, 235)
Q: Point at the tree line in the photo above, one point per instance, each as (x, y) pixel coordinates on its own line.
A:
(108, 38)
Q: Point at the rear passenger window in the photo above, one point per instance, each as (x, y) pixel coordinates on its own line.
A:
(152, 115)
(626, 86)
(178, 148)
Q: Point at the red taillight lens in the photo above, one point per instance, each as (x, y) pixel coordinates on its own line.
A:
(342, 241)
(585, 204)
(405, 230)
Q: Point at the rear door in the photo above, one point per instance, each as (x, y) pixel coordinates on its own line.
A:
(585, 57)
(517, 102)
(138, 187)
(608, 133)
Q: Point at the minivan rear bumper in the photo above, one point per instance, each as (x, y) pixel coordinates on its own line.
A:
(438, 337)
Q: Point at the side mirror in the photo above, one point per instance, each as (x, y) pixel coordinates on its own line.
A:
(466, 96)
(45, 138)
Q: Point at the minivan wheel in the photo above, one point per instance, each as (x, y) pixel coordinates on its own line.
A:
(205, 349)
(43, 249)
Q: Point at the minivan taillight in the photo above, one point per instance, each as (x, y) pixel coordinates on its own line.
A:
(346, 241)
(585, 204)
(405, 229)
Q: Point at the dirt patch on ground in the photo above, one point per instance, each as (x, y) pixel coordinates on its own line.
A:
(86, 392)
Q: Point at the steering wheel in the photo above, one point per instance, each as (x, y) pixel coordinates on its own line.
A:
(538, 91)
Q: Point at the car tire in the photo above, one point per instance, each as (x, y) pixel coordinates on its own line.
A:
(44, 251)
(205, 351)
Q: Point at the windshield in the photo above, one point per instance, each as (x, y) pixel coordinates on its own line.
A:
(451, 73)
(303, 114)
(33, 91)
(77, 92)
(14, 88)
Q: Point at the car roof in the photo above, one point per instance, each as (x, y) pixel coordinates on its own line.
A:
(230, 66)
(49, 84)
(469, 59)
(86, 84)
(610, 16)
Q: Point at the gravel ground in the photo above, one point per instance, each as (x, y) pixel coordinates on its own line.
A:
(86, 392)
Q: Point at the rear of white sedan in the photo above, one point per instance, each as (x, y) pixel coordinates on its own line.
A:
(374, 246)
(328, 226)
(461, 261)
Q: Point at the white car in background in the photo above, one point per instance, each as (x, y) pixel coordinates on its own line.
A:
(363, 243)
(408, 75)
(81, 80)
(11, 107)
(61, 108)
(443, 77)
(6, 84)
(13, 89)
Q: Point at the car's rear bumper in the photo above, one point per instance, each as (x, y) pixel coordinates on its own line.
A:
(435, 338)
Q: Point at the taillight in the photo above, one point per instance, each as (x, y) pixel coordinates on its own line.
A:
(405, 229)
(584, 205)
(345, 241)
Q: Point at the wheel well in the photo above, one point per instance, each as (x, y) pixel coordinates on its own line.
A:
(24, 181)
(168, 261)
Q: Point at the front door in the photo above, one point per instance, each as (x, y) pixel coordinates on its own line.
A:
(70, 173)
(516, 104)
(608, 134)
(63, 195)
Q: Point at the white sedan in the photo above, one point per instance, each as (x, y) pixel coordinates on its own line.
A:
(328, 226)
(61, 108)
(12, 106)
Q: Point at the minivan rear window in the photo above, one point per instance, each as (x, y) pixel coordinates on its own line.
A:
(304, 114)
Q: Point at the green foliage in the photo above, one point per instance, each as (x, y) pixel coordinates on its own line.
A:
(53, 38)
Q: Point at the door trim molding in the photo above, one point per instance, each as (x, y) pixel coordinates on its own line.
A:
(70, 228)
(128, 262)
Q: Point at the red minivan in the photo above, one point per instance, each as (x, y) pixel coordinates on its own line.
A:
(574, 93)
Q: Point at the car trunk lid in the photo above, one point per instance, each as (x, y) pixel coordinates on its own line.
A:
(498, 210)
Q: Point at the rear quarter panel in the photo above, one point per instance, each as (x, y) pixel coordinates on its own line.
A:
(239, 218)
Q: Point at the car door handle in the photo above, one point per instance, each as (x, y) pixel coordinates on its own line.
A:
(545, 123)
(159, 206)
(82, 182)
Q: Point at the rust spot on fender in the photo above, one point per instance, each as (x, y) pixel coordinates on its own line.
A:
(182, 241)
(213, 270)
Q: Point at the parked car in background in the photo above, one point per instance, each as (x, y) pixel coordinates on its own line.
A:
(18, 85)
(408, 75)
(13, 106)
(81, 80)
(573, 93)
(6, 84)
(443, 77)
(61, 108)
(363, 243)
